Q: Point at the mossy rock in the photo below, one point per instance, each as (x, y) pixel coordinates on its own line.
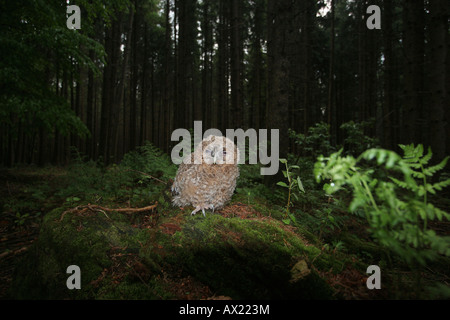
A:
(86, 241)
(253, 258)
(246, 259)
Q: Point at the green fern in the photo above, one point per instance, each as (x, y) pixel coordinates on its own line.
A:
(415, 159)
(150, 160)
(398, 222)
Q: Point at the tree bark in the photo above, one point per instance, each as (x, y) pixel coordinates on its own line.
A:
(414, 123)
(389, 64)
(439, 15)
(278, 75)
(331, 110)
(236, 64)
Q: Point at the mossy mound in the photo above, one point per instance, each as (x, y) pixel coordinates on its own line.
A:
(179, 256)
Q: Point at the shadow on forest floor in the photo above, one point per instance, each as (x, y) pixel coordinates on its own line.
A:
(243, 251)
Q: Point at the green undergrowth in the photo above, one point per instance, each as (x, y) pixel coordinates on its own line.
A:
(241, 258)
(269, 242)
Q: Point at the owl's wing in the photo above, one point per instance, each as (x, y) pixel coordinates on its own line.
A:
(180, 177)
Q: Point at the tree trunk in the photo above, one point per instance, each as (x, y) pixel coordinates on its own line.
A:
(414, 123)
(439, 15)
(207, 61)
(90, 110)
(236, 64)
(109, 72)
(278, 75)
(144, 90)
(223, 58)
(331, 110)
(121, 88)
(166, 91)
(389, 64)
(132, 127)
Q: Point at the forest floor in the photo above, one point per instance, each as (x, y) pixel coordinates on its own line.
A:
(28, 193)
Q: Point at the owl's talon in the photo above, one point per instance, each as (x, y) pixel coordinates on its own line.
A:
(195, 211)
(203, 210)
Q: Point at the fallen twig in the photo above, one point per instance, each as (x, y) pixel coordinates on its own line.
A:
(6, 253)
(103, 209)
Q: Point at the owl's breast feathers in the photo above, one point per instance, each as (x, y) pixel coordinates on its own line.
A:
(208, 186)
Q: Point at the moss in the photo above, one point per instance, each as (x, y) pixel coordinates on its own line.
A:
(83, 241)
(127, 290)
(246, 259)
(240, 258)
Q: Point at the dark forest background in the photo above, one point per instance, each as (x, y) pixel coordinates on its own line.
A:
(139, 69)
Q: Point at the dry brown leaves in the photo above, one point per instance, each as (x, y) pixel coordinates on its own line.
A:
(240, 210)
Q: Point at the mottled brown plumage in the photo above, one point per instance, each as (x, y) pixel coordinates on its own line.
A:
(206, 179)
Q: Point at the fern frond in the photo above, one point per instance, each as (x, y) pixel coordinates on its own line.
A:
(413, 165)
(441, 185)
(386, 157)
(418, 150)
(427, 157)
(416, 174)
(430, 188)
(432, 170)
(412, 154)
(404, 184)
(438, 212)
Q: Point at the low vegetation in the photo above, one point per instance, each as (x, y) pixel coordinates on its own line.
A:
(311, 236)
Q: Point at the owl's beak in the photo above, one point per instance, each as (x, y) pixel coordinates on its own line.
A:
(213, 154)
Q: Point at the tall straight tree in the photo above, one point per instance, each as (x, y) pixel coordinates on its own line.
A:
(438, 76)
(90, 110)
(109, 72)
(257, 64)
(187, 50)
(389, 76)
(331, 109)
(413, 116)
(223, 77)
(207, 69)
(309, 109)
(168, 62)
(368, 53)
(278, 14)
(237, 63)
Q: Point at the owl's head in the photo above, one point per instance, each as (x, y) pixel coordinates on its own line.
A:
(217, 150)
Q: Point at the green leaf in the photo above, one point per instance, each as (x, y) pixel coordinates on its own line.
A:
(300, 185)
(430, 189)
(440, 185)
(283, 161)
(432, 170)
(292, 217)
(356, 203)
(427, 158)
(282, 184)
(392, 160)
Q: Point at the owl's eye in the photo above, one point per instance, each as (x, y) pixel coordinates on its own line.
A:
(209, 152)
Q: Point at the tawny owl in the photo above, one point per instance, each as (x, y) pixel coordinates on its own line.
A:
(206, 179)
